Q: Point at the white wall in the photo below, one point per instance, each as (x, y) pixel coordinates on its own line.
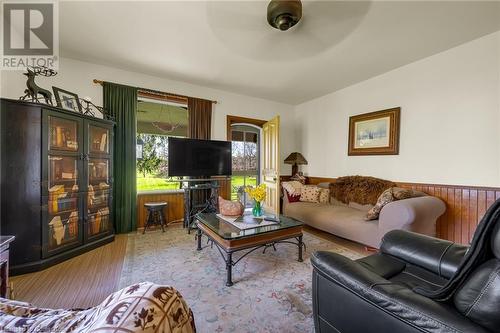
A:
(450, 120)
(77, 76)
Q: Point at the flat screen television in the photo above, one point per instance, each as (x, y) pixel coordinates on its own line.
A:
(198, 158)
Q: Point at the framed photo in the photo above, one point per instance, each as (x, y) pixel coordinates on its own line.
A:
(67, 100)
(374, 133)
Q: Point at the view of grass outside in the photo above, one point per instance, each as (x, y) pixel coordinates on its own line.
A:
(245, 161)
(152, 168)
(237, 182)
(153, 183)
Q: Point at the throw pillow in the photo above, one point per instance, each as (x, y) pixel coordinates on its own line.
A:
(300, 178)
(310, 194)
(294, 187)
(324, 195)
(292, 198)
(390, 195)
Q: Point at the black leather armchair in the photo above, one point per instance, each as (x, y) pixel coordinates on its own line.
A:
(376, 293)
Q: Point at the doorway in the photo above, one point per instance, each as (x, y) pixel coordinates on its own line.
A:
(245, 139)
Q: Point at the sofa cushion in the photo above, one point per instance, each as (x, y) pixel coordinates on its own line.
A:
(336, 202)
(310, 194)
(363, 208)
(341, 221)
(324, 195)
(294, 187)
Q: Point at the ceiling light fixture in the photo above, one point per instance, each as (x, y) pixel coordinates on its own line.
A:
(284, 14)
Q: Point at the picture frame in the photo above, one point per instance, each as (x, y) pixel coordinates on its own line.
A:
(67, 100)
(375, 133)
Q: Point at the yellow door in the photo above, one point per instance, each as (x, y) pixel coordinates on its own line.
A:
(271, 164)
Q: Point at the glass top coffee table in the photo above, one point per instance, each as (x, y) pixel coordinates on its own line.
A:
(229, 239)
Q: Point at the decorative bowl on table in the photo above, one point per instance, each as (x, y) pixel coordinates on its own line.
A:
(230, 208)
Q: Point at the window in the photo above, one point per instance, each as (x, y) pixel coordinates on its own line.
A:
(156, 121)
(245, 148)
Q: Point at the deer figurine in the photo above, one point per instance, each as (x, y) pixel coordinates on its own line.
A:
(33, 89)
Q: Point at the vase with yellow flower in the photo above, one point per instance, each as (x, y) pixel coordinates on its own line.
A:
(258, 194)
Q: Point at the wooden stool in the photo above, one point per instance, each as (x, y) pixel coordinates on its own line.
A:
(155, 214)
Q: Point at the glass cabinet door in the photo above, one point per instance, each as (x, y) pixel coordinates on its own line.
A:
(98, 140)
(63, 134)
(63, 201)
(98, 196)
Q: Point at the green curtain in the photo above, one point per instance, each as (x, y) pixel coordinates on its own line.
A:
(122, 102)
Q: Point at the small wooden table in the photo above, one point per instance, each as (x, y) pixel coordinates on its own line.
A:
(229, 239)
(4, 264)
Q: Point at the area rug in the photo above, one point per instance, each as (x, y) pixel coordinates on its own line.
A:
(271, 291)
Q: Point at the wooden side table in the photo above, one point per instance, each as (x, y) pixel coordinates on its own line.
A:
(4, 264)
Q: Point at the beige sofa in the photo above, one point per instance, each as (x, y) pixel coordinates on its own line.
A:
(347, 221)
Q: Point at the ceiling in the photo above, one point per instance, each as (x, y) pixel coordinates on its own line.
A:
(228, 45)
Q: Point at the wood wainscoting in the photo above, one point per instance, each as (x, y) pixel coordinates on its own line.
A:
(465, 206)
(175, 200)
(175, 206)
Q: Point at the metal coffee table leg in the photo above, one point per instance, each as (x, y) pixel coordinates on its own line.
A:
(198, 238)
(229, 268)
(300, 244)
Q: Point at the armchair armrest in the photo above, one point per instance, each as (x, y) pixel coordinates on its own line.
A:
(415, 214)
(371, 303)
(436, 255)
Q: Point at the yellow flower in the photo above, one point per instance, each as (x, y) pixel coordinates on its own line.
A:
(257, 193)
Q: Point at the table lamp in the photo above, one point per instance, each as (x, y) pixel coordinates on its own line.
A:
(295, 159)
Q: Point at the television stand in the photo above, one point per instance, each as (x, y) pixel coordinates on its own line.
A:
(200, 195)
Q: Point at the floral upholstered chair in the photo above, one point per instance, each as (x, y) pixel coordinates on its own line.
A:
(143, 307)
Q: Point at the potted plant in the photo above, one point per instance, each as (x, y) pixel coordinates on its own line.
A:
(258, 195)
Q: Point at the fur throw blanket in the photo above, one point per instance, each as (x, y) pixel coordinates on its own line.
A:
(360, 189)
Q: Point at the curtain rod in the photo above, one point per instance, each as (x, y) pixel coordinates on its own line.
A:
(155, 92)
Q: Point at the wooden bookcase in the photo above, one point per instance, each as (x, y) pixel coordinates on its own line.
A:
(57, 178)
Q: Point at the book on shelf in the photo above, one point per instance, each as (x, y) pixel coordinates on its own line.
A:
(67, 175)
(65, 202)
(56, 189)
(103, 213)
(103, 142)
(59, 136)
(73, 224)
(54, 193)
(58, 229)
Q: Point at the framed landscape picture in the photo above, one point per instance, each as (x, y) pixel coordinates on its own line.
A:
(374, 133)
(67, 100)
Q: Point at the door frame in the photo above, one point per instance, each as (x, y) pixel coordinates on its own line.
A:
(233, 120)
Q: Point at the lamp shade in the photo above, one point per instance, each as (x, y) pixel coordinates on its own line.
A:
(296, 158)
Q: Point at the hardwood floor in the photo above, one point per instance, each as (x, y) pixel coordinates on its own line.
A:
(86, 280)
(80, 282)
